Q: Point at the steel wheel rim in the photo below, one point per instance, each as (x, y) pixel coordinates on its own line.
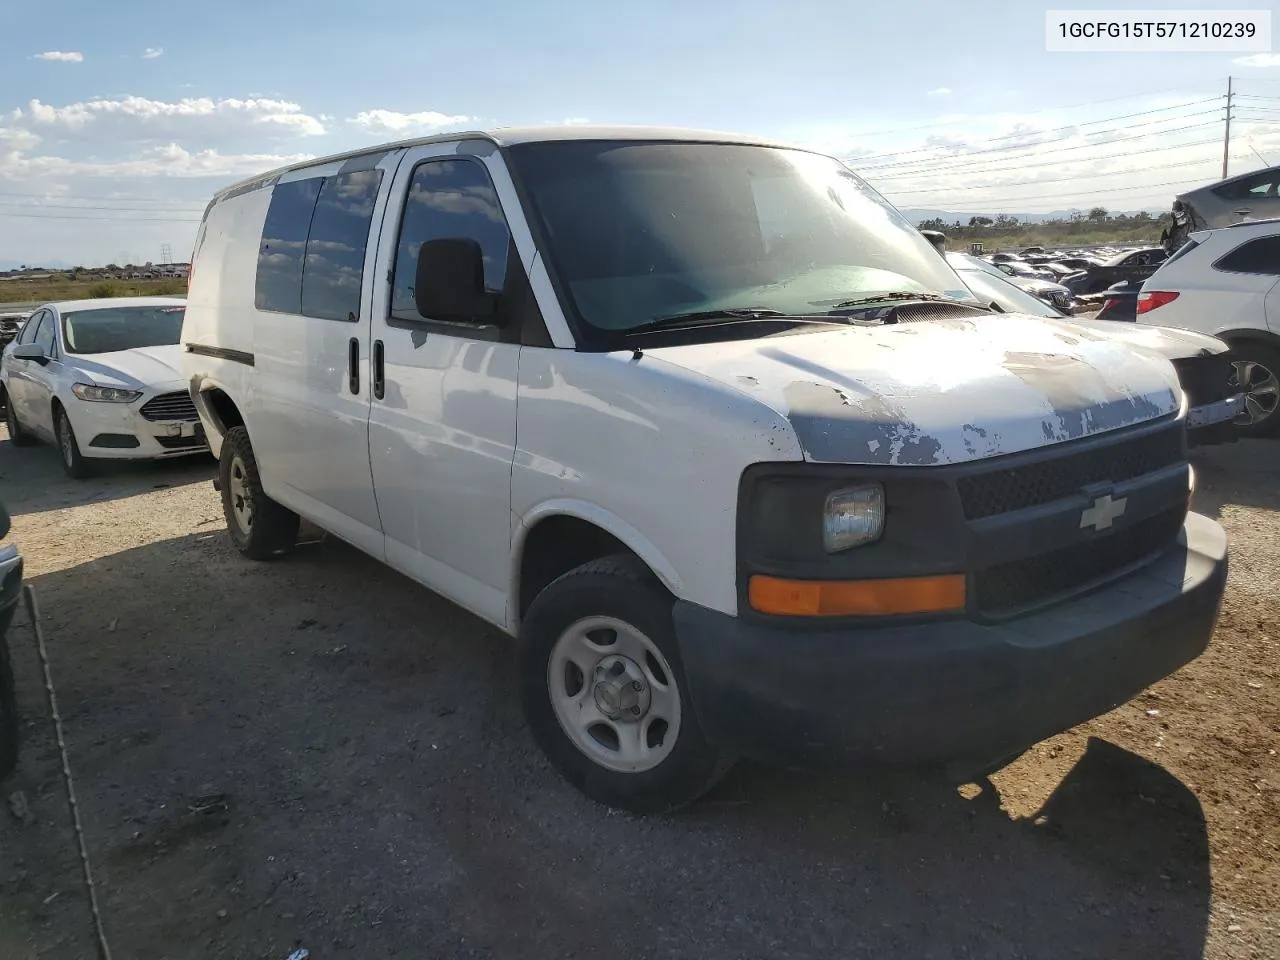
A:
(65, 441)
(238, 491)
(1261, 390)
(614, 694)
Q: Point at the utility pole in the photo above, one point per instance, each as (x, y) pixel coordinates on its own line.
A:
(1226, 136)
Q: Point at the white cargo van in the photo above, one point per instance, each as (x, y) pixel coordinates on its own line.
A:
(713, 431)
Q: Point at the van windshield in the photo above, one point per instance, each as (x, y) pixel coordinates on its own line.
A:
(639, 231)
(106, 330)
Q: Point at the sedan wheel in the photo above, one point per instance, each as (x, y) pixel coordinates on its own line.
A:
(76, 466)
(1256, 377)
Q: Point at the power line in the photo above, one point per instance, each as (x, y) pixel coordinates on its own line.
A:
(54, 216)
(985, 165)
(1069, 106)
(1140, 191)
(71, 206)
(43, 196)
(1023, 183)
(968, 169)
(1034, 146)
(1070, 126)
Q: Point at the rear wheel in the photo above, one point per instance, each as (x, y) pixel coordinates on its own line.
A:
(1257, 376)
(604, 691)
(259, 527)
(17, 435)
(76, 466)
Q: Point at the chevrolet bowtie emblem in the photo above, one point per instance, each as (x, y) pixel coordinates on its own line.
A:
(1103, 513)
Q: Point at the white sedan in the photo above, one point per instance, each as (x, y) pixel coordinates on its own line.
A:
(100, 379)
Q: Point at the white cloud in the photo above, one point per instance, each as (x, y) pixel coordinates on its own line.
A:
(576, 121)
(1258, 60)
(60, 56)
(170, 160)
(392, 122)
(141, 119)
(12, 138)
(152, 52)
(939, 92)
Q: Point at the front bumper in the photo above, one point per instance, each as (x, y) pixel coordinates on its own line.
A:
(117, 431)
(1215, 422)
(954, 690)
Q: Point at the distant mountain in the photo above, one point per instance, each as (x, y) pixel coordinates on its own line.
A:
(47, 265)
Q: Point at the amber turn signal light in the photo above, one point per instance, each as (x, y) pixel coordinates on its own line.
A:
(847, 598)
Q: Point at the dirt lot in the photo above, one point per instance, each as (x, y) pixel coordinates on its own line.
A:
(383, 799)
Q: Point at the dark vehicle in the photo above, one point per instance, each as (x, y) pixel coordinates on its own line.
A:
(1078, 263)
(10, 593)
(1127, 265)
(1120, 302)
(10, 324)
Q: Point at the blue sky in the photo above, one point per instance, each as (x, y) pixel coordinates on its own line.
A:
(111, 147)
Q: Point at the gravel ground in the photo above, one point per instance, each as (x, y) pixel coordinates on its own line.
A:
(318, 752)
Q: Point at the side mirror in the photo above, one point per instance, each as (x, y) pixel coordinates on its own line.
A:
(449, 283)
(29, 351)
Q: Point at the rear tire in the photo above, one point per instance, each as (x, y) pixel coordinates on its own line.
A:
(17, 435)
(1258, 376)
(596, 639)
(77, 467)
(260, 528)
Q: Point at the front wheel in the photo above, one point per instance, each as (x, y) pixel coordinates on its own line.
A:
(604, 693)
(77, 467)
(259, 527)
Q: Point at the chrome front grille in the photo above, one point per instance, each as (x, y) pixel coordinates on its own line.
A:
(170, 406)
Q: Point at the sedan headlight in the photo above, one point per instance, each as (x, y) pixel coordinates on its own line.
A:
(89, 391)
(853, 516)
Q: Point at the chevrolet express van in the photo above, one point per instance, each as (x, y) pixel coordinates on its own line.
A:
(710, 429)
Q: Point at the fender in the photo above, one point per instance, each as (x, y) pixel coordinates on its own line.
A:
(607, 521)
(1251, 333)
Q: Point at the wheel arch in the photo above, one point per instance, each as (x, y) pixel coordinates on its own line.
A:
(559, 535)
(1253, 334)
(217, 409)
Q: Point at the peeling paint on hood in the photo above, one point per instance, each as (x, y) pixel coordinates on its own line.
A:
(940, 392)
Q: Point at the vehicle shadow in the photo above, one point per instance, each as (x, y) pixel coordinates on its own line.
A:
(32, 480)
(317, 751)
(1245, 473)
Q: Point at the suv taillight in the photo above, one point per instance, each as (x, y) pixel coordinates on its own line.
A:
(1155, 298)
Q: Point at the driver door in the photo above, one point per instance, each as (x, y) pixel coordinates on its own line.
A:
(22, 372)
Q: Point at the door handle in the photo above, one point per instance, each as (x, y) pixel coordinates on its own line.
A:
(379, 370)
(353, 365)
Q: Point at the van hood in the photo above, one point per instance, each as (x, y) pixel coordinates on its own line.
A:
(137, 368)
(1169, 342)
(941, 391)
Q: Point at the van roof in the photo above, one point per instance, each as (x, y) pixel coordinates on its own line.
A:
(510, 136)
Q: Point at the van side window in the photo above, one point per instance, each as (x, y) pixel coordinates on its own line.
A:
(1260, 255)
(284, 240)
(452, 199)
(333, 272)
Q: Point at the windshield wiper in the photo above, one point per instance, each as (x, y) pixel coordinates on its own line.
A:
(888, 297)
(706, 318)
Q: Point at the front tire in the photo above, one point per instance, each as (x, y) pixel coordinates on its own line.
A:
(260, 528)
(17, 436)
(77, 467)
(604, 692)
(1257, 375)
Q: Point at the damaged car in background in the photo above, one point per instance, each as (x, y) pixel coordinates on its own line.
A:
(1248, 196)
(716, 436)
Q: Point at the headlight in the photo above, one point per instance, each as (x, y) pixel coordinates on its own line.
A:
(88, 391)
(853, 516)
